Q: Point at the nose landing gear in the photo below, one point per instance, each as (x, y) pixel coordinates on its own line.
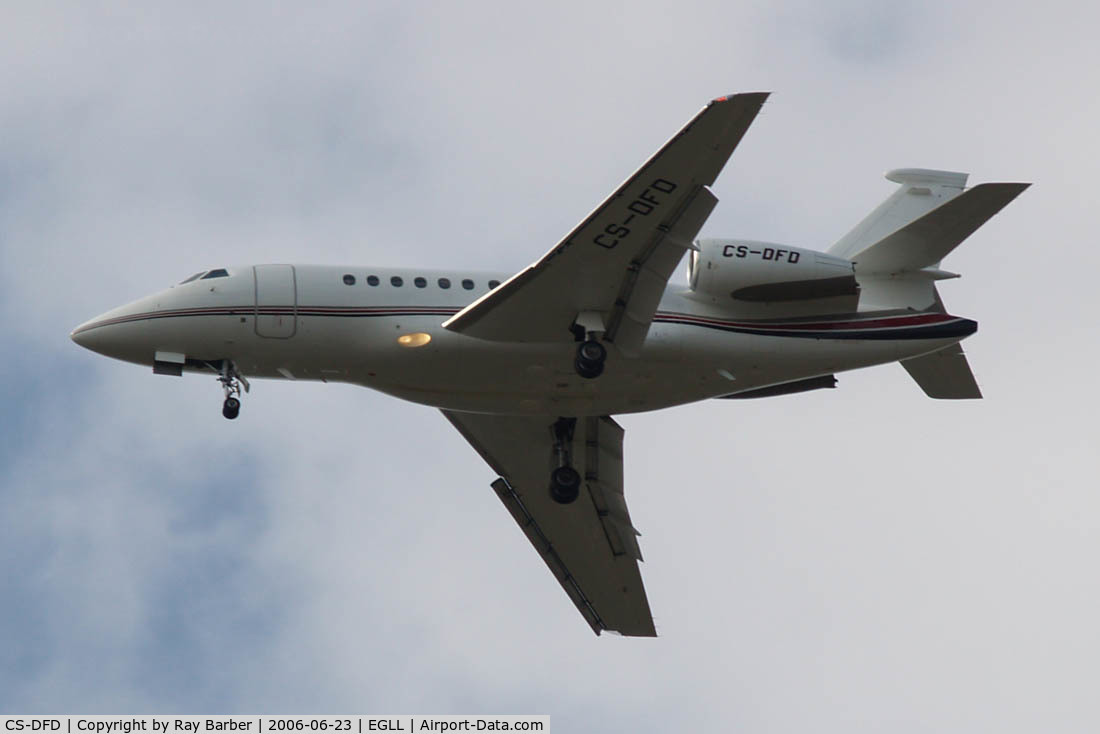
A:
(232, 381)
(231, 408)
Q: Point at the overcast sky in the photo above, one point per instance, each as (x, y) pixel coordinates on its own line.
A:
(856, 560)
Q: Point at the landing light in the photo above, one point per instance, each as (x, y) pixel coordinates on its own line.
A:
(418, 339)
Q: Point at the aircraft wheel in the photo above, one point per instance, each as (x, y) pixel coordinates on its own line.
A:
(565, 485)
(231, 408)
(590, 358)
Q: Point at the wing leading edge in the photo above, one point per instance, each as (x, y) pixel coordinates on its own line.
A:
(616, 263)
(590, 544)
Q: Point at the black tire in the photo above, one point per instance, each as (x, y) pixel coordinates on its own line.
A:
(591, 351)
(565, 485)
(590, 358)
(231, 408)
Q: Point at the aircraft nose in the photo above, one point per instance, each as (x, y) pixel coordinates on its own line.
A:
(97, 336)
(110, 334)
(123, 332)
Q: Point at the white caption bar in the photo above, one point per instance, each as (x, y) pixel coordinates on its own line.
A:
(406, 723)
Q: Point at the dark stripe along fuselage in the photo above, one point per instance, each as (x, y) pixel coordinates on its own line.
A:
(889, 327)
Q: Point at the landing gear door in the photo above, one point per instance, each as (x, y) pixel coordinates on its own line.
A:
(276, 301)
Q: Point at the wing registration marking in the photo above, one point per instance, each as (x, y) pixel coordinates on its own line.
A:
(641, 206)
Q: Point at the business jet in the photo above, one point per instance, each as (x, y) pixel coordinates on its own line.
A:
(530, 367)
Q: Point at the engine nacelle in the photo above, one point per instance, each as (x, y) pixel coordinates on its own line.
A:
(751, 272)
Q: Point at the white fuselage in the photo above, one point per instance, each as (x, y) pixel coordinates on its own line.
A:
(306, 322)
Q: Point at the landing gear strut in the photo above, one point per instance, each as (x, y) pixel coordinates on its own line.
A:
(231, 381)
(565, 481)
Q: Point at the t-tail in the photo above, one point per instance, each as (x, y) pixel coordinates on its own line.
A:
(897, 250)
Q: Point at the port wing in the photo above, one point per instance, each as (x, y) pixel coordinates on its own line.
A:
(616, 263)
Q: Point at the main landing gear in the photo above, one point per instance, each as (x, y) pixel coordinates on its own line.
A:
(588, 330)
(232, 381)
(590, 358)
(565, 481)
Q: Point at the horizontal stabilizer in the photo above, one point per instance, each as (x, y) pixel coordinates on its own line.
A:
(944, 374)
(921, 191)
(927, 240)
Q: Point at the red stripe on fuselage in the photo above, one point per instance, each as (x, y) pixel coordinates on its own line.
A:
(845, 324)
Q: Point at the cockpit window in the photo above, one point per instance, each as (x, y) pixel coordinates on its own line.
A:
(219, 273)
(196, 276)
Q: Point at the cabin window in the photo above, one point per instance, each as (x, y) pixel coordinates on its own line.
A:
(396, 281)
(444, 283)
(468, 284)
(219, 273)
(349, 279)
(494, 283)
(372, 280)
(420, 282)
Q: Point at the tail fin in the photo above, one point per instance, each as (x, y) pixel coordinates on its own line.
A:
(925, 241)
(897, 251)
(921, 191)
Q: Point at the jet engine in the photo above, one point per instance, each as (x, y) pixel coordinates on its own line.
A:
(751, 272)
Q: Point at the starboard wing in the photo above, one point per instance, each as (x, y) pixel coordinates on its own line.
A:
(589, 544)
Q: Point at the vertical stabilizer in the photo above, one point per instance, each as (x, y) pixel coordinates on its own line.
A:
(896, 253)
(925, 241)
(897, 249)
(922, 190)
